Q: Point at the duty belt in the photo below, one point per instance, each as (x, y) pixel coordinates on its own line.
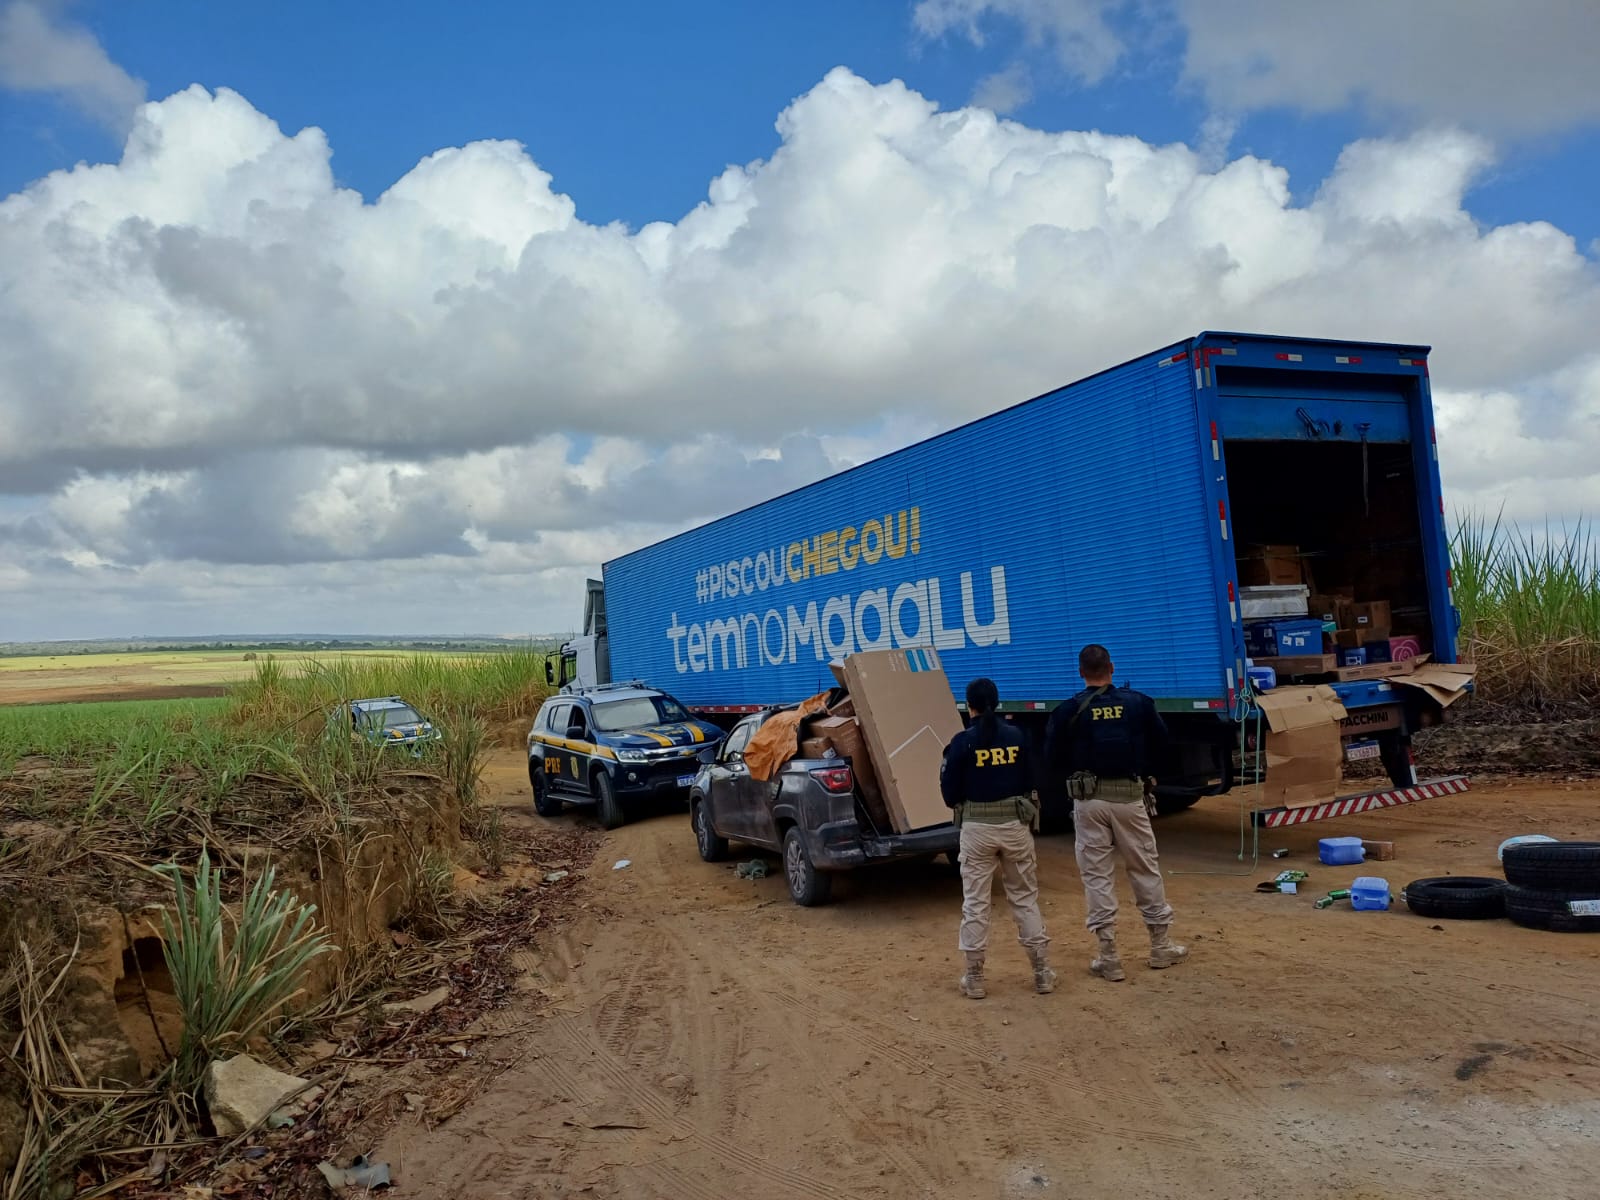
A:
(1117, 791)
(996, 812)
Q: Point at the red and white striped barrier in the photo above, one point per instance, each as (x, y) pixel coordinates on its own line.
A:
(1349, 806)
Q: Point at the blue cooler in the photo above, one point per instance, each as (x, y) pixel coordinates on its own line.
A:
(1263, 679)
(1283, 639)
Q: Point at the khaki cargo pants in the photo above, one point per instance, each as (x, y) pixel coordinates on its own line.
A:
(1119, 826)
(1008, 849)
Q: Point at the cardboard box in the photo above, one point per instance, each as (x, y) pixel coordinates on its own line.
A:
(1270, 566)
(1352, 656)
(817, 747)
(1352, 639)
(1306, 664)
(1443, 683)
(1380, 670)
(843, 735)
(1305, 759)
(908, 714)
(845, 708)
(1371, 615)
(1378, 851)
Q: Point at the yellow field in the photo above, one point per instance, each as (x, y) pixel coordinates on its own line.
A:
(42, 679)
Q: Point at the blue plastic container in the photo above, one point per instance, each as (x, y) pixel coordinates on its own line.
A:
(1340, 851)
(1370, 894)
(1264, 679)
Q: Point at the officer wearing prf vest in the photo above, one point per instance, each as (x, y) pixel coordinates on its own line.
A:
(985, 778)
(1104, 741)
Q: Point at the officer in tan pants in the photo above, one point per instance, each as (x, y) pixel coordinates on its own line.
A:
(1104, 741)
(985, 778)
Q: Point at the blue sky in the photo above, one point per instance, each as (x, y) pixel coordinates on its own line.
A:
(633, 106)
(234, 394)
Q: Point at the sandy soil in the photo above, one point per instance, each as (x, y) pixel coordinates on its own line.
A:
(709, 1039)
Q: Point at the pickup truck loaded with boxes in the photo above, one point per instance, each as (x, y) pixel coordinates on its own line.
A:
(1253, 525)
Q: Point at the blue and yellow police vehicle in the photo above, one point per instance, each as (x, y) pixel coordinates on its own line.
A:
(612, 744)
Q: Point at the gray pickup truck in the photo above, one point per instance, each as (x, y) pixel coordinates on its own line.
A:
(810, 813)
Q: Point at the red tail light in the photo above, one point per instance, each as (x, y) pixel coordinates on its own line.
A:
(835, 779)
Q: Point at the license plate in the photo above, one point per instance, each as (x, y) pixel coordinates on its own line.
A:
(685, 780)
(1358, 751)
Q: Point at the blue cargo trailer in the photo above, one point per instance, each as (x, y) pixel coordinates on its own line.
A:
(1110, 510)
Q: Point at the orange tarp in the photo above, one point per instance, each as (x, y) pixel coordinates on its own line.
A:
(777, 741)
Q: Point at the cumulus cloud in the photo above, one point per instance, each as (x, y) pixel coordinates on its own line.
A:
(1501, 68)
(213, 358)
(1005, 91)
(41, 52)
(1078, 31)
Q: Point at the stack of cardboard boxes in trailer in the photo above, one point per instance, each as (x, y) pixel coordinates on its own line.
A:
(1297, 632)
(1294, 632)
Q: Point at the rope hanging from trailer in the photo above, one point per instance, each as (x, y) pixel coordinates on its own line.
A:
(1245, 703)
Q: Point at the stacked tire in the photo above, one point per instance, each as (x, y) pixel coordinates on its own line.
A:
(1554, 885)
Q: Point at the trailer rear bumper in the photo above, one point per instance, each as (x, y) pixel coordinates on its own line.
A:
(1349, 806)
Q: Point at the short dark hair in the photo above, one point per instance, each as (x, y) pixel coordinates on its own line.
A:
(1094, 659)
(982, 696)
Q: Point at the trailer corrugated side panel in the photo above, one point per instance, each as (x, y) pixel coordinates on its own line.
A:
(1009, 543)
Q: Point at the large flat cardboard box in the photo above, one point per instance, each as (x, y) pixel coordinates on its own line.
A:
(1270, 566)
(908, 714)
(1305, 761)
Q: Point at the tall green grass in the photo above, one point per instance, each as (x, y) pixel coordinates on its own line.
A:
(1530, 614)
(492, 688)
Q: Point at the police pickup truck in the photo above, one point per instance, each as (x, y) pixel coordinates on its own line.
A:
(613, 744)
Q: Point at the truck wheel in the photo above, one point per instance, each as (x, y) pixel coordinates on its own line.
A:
(1168, 803)
(1457, 897)
(545, 802)
(712, 847)
(808, 886)
(606, 805)
(1395, 751)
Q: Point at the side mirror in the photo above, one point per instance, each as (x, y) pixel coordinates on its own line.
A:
(577, 732)
(549, 673)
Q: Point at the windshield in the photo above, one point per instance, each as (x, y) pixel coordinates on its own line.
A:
(615, 715)
(388, 718)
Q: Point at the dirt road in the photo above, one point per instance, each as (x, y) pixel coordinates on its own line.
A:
(705, 1038)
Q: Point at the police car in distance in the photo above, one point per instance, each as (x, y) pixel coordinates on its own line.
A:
(384, 721)
(610, 744)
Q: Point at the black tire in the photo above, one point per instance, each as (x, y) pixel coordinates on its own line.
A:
(606, 805)
(1457, 898)
(1169, 803)
(808, 887)
(1535, 909)
(545, 802)
(712, 848)
(1394, 749)
(1555, 866)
